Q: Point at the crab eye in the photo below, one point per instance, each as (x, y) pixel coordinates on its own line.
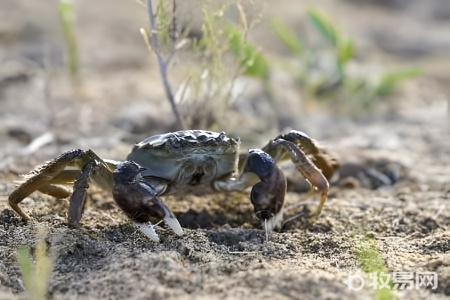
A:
(222, 136)
(202, 137)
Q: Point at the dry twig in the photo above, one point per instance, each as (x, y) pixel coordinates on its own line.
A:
(163, 64)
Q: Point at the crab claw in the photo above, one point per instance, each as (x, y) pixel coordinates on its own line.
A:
(173, 223)
(148, 230)
(267, 196)
(140, 201)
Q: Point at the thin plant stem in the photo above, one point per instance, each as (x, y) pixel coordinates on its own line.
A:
(163, 65)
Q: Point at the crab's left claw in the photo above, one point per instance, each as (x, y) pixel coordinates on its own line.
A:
(140, 201)
(267, 196)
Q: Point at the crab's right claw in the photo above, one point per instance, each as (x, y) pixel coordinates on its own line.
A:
(169, 218)
(267, 196)
(140, 201)
(148, 229)
(158, 210)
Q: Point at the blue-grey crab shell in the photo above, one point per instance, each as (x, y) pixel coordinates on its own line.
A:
(165, 155)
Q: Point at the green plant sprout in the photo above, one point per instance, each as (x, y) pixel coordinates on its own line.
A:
(389, 81)
(251, 60)
(371, 262)
(343, 47)
(211, 79)
(288, 37)
(36, 272)
(229, 55)
(221, 54)
(345, 92)
(253, 63)
(67, 15)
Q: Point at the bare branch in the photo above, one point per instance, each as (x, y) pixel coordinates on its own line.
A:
(163, 64)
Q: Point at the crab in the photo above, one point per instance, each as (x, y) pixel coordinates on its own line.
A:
(178, 163)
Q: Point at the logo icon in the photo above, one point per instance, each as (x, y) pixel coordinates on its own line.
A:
(396, 280)
(355, 282)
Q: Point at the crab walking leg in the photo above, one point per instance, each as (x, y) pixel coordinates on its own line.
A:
(55, 190)
(79, 195)
(45, 176)
(326, 162)
(140, 201)
(309, 171)
(40, 177)
(57, 187)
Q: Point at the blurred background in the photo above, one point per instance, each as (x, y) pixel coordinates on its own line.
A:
(79, 73)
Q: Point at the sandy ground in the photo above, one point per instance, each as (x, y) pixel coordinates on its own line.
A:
(224, 253)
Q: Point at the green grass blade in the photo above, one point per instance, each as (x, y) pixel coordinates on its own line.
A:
(371, 261)
(345, 52)
(36, 275)
(324, 26)
(251, 60)
(235, 40)
(389, 82)
(67, 15)
(26, 266)
(287, 36)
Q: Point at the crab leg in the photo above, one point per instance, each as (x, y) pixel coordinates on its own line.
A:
(309, 171)
(140, 201)
(79, 195)
(39, 178)
(46, 177)
(320, 157)
(56, 188)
